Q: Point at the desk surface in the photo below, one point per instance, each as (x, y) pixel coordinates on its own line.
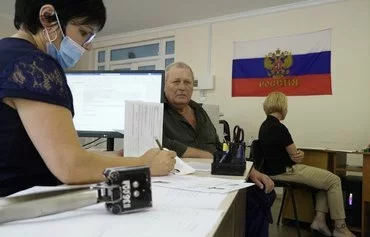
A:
(96, 221)
(234, 200)
(330, 150)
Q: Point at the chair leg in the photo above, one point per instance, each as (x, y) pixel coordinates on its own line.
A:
(314, 199)
(295, 213)
(282, 205)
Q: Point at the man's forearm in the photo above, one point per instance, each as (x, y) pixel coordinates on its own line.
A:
(197, 153)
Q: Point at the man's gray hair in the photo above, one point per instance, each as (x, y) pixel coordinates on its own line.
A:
(179, 65)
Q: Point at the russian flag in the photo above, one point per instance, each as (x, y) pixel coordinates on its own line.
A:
(294, 65)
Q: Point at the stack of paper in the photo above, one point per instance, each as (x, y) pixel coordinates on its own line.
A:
(200, 184)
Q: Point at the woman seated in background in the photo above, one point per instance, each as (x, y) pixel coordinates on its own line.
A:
(283, 161)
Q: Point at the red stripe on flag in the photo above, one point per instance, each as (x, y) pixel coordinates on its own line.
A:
(291, 85)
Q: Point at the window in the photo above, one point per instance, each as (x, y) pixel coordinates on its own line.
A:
(168, 61)
(101, 56)
(149, 55)
(170, 47)
(134, 52)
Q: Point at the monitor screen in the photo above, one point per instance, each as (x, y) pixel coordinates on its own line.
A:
(99, 98)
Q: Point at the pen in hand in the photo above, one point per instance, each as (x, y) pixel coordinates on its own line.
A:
(159, 144)
(174, 171)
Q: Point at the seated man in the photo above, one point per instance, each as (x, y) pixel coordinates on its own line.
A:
(188, 131)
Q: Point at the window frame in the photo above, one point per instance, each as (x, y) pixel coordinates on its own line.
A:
(159, 60)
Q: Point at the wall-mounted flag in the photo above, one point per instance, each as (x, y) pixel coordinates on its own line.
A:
(294, 65)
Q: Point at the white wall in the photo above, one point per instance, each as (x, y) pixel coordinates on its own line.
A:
(6, 26)
(341, 120)
(338, 121)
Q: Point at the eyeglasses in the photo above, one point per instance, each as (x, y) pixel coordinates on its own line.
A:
(89, 39)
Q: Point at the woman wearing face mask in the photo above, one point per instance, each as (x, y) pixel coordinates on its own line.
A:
(38, 142)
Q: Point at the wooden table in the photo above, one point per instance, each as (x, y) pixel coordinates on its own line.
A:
(336, 162)
(366, 195)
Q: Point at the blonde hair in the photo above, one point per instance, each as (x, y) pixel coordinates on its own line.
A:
(179, 65)
(275, 102)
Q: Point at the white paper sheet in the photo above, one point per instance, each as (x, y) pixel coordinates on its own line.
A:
(95, 221)
(143, 123)
(200, 184)
(201, 166)
(182, 168)
(177, 198)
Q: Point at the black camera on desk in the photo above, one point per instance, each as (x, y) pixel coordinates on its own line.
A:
(231, 162)
(126, 189)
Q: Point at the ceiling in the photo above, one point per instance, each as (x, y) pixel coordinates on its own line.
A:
(136, 15)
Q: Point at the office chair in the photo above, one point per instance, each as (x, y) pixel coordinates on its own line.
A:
(258, 159)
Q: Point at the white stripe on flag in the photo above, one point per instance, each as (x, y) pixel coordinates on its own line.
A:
(296, 44)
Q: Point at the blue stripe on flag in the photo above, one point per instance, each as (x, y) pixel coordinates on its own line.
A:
(304, 64)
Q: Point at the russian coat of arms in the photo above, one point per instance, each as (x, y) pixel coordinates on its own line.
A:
(278, 63)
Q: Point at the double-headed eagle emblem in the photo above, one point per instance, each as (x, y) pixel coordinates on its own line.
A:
(278, 63)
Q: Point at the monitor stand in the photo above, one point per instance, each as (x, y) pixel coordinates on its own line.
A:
(110, 144)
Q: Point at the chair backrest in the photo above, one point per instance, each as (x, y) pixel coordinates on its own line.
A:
(256, 155)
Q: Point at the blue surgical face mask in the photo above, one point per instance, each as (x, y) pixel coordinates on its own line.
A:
(69, 53)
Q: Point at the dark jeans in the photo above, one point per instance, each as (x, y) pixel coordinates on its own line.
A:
(258, 212)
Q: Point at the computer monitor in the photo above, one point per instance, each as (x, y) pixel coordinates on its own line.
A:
(99, 98)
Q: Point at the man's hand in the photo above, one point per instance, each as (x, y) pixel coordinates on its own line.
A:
(119, 152)
(160, 162)
(262, 180)
(298, 157)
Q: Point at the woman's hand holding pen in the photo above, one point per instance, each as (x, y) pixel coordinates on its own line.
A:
(160, 162)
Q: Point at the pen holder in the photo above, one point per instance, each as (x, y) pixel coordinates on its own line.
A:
(225, 163)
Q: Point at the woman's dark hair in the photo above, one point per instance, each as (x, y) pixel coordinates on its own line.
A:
(89, 12)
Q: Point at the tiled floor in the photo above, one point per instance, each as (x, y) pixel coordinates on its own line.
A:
(287, 230)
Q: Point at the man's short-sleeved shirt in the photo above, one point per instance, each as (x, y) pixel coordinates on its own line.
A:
(28, 73)
(178, 134)
(274, 137)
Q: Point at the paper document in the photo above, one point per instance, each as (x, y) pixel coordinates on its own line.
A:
(177, 198)
(143, 123)
(200, 184)
(95, 221)
(201, 166)
(182, 168)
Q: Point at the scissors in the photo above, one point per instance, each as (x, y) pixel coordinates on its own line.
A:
(238, 134)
